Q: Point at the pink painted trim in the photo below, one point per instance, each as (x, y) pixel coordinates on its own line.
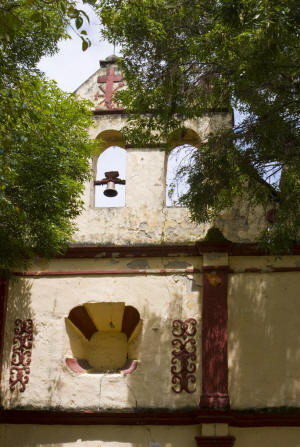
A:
(107, 272)
(74, 366)
(131, 366)
(188, 270)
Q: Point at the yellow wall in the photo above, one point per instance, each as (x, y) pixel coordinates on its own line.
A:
(149, 436)
(264, 336)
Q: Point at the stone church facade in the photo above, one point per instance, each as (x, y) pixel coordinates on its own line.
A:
(151, 331)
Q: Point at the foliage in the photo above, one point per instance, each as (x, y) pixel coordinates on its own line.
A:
(37, 23)
(44, 144)
(186, 58)
(44, 159)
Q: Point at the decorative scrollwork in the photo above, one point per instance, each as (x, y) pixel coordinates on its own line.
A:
(21, 354)
(185, 328)
(184, 357)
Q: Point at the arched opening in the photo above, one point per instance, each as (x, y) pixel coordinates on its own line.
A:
(111, 159)
(182, 137)
(179, 161)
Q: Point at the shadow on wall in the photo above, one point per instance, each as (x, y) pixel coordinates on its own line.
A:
(99, 436)
(19, 307)
(151, 385)
(264, 340)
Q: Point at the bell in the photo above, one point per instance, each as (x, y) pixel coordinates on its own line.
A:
(110, 190)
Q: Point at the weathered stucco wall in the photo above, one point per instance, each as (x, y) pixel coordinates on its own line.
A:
(264, 337)
(160, 299)
(150, 436)
(263, 327)
(146, 219)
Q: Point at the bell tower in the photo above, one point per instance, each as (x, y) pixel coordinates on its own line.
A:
(150, 330)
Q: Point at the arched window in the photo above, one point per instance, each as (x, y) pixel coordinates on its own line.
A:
(112, 159)
(179, 160)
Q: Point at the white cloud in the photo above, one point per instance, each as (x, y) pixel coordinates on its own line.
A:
(71, 66)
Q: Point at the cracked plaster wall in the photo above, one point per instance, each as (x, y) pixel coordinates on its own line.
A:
(160, 299)
(145, 219)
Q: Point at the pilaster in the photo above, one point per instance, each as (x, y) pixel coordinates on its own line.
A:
(214, 332)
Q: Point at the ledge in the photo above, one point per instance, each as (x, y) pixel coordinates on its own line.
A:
(234, 418)
(137, 251)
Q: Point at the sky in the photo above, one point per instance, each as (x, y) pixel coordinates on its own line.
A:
(71, 66)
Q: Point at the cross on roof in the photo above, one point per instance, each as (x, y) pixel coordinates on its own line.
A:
(110, 79)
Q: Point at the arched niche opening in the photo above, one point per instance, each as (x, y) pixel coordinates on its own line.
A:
(178, 163)
(104, 337)
(113, 158)
(183, 143)
(182, 137)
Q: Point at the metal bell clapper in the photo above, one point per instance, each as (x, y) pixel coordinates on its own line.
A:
(110, 180)
(110, 190)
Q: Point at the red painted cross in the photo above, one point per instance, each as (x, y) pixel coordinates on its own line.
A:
(109, 79)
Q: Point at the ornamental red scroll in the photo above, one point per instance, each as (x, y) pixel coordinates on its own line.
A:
(21, 354)
(184, 357)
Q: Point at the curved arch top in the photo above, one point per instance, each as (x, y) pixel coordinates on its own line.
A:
(183, 136)
(110, 137)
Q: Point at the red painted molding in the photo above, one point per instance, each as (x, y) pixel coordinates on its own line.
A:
(45, 273)
(109, 112)
(3, 307)
(233, 249)
(214, 339)
(267, 270)
(123, 251)
(214, 268)
(217, 441)
(234, 418)
(107, 272)
(123, 112)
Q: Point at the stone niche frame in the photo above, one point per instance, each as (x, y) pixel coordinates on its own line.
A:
(101, 336)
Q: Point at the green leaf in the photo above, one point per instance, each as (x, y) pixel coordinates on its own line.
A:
(85, 45)
(79, 22)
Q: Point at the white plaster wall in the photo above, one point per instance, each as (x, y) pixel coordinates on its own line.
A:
(159, 299)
